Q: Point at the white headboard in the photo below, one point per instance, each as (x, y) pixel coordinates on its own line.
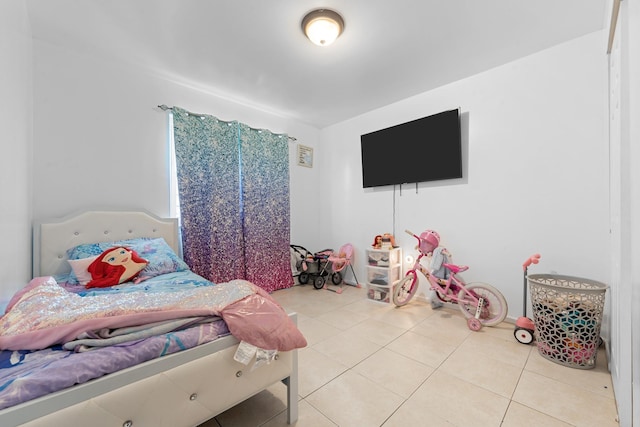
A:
(51, 239)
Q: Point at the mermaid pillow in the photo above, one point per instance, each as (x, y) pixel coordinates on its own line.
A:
(115, 266)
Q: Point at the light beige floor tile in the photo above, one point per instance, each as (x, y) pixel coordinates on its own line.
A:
(329, 299)
(444, 327)
(570, 404)
(286, 294)
(461, 403)
(349, 293)
(393, 371)
(403, 317)
(339, 296)
(510, 351)
(314, 302)
(447, 311)
(294, 295)
(313, 307)
(299, 316)
(522, 416)
(315, 370)
(342, 319)
(483, 370)
(364, 306)
(353, 400)
(347, 348)
(503, 330)
(422, 349)
(315, 330)
(461, 376)
(378, 332)
(416, 307)
(597, 380)
(412, 413)
(308, 416)
(255, 410)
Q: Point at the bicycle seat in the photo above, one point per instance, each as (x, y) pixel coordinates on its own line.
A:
(455, 269)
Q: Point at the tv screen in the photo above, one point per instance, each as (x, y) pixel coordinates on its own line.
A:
(426, 149)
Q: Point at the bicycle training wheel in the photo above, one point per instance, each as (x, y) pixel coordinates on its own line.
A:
(405, 289)
(494, 309)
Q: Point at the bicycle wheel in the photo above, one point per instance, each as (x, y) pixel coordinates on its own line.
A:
(405, 289)
(493, 311)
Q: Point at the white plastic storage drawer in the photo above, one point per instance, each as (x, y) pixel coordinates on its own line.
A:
(379, 293)
(383, 258)
(383, 276)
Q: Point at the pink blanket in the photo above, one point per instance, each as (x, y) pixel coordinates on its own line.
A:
(45, 314)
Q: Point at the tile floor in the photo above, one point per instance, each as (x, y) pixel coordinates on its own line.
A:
(371, 364)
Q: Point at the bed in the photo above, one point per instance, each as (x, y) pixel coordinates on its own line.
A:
(183, 388)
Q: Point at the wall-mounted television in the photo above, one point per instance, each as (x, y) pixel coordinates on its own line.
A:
(426, 149)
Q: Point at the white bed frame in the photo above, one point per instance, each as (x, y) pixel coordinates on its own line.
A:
(181, 389)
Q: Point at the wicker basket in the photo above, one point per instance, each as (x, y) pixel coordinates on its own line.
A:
(567, 313)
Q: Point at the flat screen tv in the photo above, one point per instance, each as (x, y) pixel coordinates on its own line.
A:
(426, 149)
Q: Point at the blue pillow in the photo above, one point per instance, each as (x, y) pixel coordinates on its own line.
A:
(162, 259)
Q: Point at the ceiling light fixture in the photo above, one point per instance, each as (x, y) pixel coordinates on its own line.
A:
(322, 26)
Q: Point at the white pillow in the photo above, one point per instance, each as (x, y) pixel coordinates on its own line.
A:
(80, 266)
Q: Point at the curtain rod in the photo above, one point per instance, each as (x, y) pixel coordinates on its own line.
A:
(165, 108)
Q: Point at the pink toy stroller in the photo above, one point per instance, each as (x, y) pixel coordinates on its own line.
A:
(337, 262)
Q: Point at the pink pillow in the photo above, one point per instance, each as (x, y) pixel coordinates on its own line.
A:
(80, 269)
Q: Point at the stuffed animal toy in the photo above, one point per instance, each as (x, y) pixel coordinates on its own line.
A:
(114, 266)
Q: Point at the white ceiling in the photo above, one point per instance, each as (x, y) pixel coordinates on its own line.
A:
(254, 52)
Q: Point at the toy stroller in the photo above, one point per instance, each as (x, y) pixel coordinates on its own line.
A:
(311, 265)
(299, 255)
(337, 262)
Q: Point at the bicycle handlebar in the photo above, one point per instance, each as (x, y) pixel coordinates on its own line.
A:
(410, 233)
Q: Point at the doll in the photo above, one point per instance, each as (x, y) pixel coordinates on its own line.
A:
(439, 257)
(377, 242)
(388, 241)
(114, 266)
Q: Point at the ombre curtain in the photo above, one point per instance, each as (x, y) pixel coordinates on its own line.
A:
(233, 185)
(265, 207)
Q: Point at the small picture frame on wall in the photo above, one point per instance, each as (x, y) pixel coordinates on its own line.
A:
(305, 156)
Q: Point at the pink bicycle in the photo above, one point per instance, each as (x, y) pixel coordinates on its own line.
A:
(481, 303)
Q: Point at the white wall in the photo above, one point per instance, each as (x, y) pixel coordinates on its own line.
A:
(100, 140)
(15, 146)
(535, 178)
(81, 132)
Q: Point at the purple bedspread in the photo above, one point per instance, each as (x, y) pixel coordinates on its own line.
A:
(45, 316)
(26, 375)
